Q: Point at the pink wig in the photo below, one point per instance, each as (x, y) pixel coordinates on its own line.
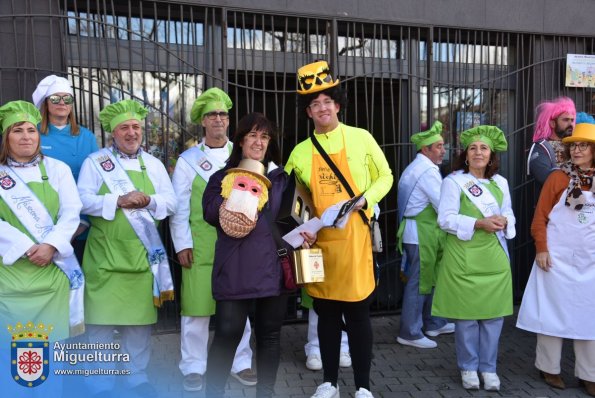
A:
(550, 110)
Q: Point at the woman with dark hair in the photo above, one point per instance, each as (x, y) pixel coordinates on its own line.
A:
(247, 271)
(559, 298)
(474, 283)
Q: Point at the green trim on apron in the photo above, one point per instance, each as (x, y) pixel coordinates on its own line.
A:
(431, 241)
(196, 292)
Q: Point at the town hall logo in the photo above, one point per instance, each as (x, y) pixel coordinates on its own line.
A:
(6, 181)
(29, 353)
(205, 165)
(107, 165)
(475, 190)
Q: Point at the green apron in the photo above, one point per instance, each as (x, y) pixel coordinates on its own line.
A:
(474, 280)
(197, 298)
(119, 282)
(32, 293)
(431, 241)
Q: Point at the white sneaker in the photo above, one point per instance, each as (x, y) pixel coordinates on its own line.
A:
(313, 362)
(446, 329)
(424, 342)
(345, 360)
(326, 390)
(193, 382)
(491, 381)
(470, 379)
(363, 393)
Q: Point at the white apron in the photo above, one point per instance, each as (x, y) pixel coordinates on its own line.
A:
(561, 302)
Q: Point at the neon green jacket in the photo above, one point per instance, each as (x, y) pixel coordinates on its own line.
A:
(367, 163)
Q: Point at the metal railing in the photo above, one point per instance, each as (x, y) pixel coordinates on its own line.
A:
(399, 79)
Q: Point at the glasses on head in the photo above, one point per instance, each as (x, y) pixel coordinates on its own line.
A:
(67, 98)
(213, 115)
(316, 106)
(582, 146)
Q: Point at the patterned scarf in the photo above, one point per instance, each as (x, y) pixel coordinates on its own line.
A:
(125, 155)
(578, 178)
(33, 162)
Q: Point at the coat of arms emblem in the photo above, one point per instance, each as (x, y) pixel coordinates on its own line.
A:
(475, 190)
(29, 353)
(6, 182)
(205, 165)
(107, 165)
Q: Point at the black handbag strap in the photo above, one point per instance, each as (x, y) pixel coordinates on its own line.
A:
(281, 249)
(337, 172)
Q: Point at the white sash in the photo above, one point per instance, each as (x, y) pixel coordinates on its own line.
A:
(482, 198)
(204, 165)
(141, 220)
(34, 216)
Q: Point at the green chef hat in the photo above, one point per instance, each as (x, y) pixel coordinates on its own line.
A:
(210, 100)
(428, 137)
(18, 111)
(121, 111)
(490, 135)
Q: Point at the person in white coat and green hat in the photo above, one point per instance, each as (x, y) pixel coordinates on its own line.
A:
(41, 283)
(420, 239)
(125, 191)
(194, 241)
(474, 281)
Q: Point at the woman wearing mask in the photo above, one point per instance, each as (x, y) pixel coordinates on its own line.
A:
(247, 270)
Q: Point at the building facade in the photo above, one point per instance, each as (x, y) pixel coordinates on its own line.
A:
(404, 64)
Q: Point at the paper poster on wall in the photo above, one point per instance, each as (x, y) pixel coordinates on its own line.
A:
(580, 70)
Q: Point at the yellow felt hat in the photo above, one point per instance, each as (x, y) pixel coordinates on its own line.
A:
(582, 132)
(315, 77)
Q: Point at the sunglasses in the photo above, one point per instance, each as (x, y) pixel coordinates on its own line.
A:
(67, 98)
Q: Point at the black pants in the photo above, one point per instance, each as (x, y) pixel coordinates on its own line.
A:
(229, 326)
(359, 332)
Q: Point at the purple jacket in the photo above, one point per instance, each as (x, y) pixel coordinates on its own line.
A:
(248, 267)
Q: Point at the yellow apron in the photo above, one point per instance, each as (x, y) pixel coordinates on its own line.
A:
(347, 252)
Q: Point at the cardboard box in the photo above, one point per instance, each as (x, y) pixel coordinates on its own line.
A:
(296, 206)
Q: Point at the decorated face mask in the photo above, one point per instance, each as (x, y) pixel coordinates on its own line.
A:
(244, 193)
(245, 183)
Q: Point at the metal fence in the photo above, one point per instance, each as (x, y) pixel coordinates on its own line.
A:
(399, 79)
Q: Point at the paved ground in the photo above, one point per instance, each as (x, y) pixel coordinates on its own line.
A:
(397, 371)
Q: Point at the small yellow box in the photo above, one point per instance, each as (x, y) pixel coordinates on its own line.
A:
(308, 266)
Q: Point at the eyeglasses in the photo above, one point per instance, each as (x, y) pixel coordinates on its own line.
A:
(213, 115)
(67, 98)
(316, 106)
(264, 137)
(582, 146)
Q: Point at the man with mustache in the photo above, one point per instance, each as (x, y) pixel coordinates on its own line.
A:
(555, 120)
